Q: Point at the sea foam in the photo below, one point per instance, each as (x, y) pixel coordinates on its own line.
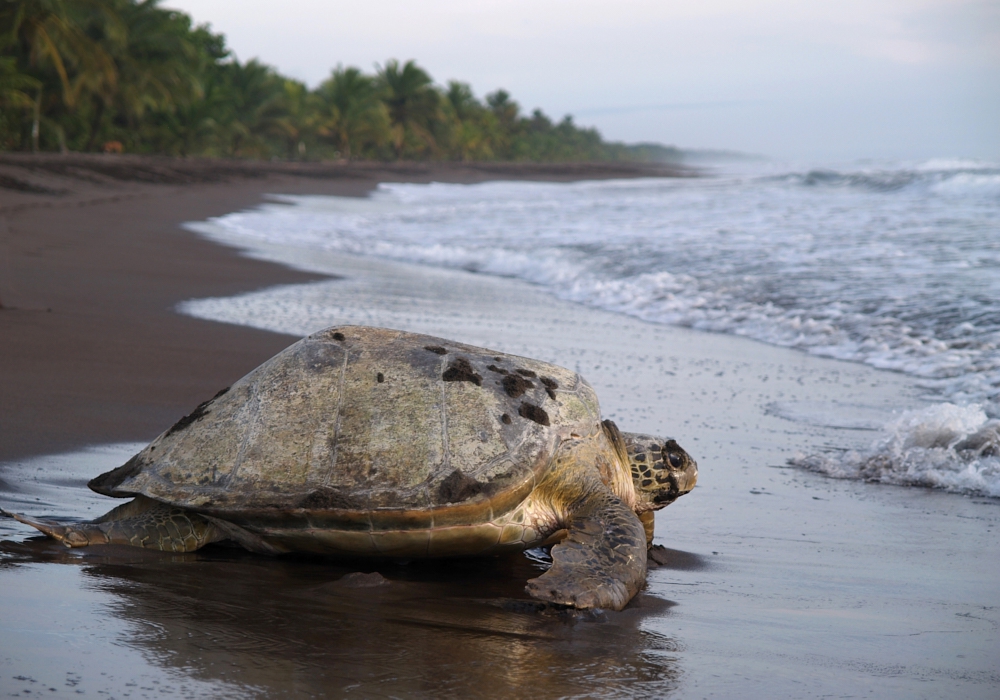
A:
(956, 448)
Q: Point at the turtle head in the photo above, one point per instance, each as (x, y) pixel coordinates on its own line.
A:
(661, 470)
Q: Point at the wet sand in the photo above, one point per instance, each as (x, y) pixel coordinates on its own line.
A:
(779, 583)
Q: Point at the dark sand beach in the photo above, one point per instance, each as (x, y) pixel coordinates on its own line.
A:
(778, 582)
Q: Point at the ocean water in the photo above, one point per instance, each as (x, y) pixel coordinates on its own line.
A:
(895, 265)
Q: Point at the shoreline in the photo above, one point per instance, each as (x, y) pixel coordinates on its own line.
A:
(28, 179)
(93, 260)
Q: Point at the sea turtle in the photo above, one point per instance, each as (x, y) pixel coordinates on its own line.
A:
(360, 441)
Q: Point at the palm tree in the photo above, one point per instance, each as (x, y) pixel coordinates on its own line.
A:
(15, 86)
(53, 49)
(462, 101)
(350, 114)
(15, 98)
(249, 106)
(412, 104)
(37, 28)
(195, 122)
(156, 62)
(505, 111)
(472, 124)
(293, 120)
(504, 108)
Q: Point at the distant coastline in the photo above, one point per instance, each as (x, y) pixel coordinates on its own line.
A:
(29, 179)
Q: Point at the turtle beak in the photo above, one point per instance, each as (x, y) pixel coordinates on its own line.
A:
(683, 473)
(685, 478)
(681, 481)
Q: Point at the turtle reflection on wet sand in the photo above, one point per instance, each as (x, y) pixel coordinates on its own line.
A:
(360, 441)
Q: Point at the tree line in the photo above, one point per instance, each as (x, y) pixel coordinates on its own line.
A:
(128, 75)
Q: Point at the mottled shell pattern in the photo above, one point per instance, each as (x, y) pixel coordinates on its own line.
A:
(367, 423)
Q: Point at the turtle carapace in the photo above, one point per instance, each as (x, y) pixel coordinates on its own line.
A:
(361, 441)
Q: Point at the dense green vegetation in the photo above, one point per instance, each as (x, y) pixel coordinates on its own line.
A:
(93, 75)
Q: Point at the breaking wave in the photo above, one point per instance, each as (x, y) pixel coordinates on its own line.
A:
(943, 446)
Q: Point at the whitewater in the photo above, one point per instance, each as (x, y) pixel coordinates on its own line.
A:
(895, 265)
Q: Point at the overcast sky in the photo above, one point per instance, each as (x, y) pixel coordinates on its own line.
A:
(808, 79)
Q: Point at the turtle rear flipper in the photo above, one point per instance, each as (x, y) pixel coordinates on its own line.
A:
(602, 561)
(141, 522)
(67, 534)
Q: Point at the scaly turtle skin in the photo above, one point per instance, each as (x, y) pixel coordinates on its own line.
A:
(363, 441)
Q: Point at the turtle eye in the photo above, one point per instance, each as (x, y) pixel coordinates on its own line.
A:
(675, 460)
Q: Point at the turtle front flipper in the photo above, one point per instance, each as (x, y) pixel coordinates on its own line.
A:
(141, 522)
(602, 561)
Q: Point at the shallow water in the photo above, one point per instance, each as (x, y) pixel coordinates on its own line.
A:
(894, 265)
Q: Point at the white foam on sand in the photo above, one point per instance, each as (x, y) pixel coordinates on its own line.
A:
(956, 448)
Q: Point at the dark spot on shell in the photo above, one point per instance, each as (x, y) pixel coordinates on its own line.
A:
(533, 412)
(526, 372)
(640, 458)
(658, 465)
(461, 371)
(379, 377)
(498, 370)
(197, 414)
(505, 418)
(550, 386)
(436, 349)
(515, 385)
(459, 487)
(330, 499)
(338, 336)
(647, 482)
(654, 448)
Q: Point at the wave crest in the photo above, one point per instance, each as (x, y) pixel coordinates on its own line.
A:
(956, 448)
(954, 177)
